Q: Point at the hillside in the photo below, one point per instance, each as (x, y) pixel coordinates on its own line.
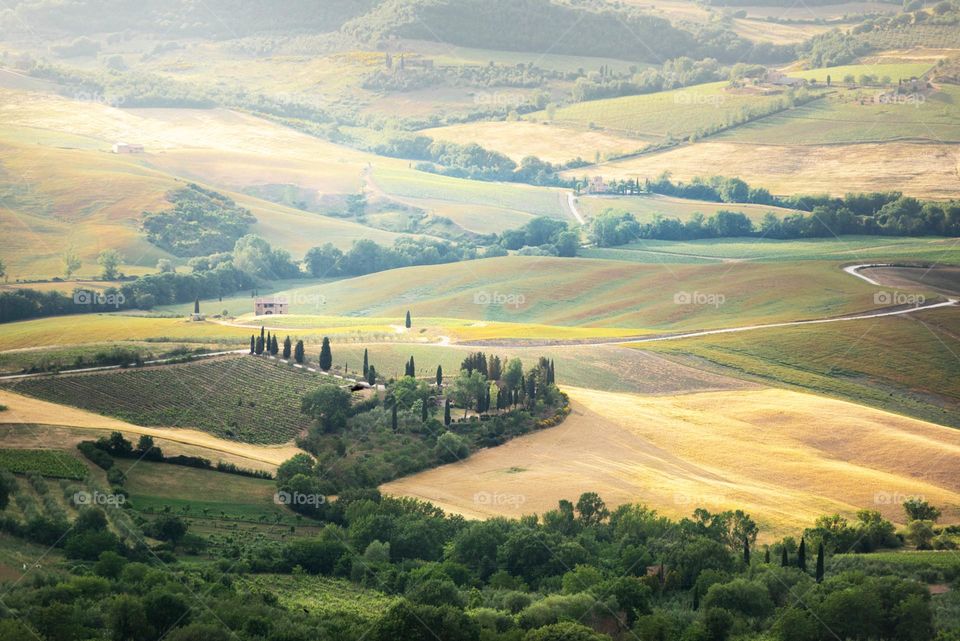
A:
(241, 398)
(757, 449)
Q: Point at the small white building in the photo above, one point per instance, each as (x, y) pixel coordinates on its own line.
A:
(271, 306)
(127, 148)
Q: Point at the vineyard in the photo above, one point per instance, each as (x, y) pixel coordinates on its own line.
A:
(242, 398)
(49, 463)
(321, 594)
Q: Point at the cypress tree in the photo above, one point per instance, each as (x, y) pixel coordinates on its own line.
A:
(372, 375)
(802, 555)
(298, 352)
(408, 322)
(423, 411)
(196, 306)
(393, 416)
(746, 551)
(366, 362)
(766, 556)
(287, 347)
(326, 355)
(261, 333)
(259, 349)
(439, 377)
(696, 597)
(412, 368)
(446, 412)
(820, 562)
(253, 344)
(784, 560)
(274, 347)
(267, 345)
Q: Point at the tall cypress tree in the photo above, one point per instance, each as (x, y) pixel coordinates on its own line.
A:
(784, 559)
(326, 355)
(259, 349)
(287, 347)
(393, 416)
(446, 412)
(366, 362)
(766, 555)
(820, 562)
(372, 375)
(274, 347)
(802, 555)
(746, 551)
(253, 344)
(408, 323)
(423, 411)
(439, 376)
(298, 352)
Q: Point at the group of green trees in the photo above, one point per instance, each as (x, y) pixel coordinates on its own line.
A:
(374, 436)
(581, 572)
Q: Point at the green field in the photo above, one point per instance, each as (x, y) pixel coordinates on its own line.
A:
(157, 487)
(242, 398)
(849, 249)
(602, 293)
(843, 119)
(679, 112)
(319, 594)
(51, 463)
(906, 365)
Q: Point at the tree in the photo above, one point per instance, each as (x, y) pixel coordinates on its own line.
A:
(591, 509)
(128, 619)
(393, 416)
(919, 510)
(287, 348)
(820, 563)
(366, 362)
(329, 405)
(446, 412)
(451, 447)
(71, 262)
(802, 555)
(274, 347)
(109, 261)
(253, 344)
(467, 388)
(439, 377)
(298, 352)
(513, 375)
(407, 322)
(326, 356)
(372, 375)
(784, 559)
(4, 492)
(746, 552)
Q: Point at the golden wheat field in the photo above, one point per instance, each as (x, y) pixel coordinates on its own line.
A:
(784, 457)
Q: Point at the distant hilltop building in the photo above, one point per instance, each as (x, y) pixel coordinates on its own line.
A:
(271, 306)
(597, 186)
(127, 148)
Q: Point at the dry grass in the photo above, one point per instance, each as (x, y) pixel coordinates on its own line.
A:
(922, 170)
(23, 410)
(783, 456)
